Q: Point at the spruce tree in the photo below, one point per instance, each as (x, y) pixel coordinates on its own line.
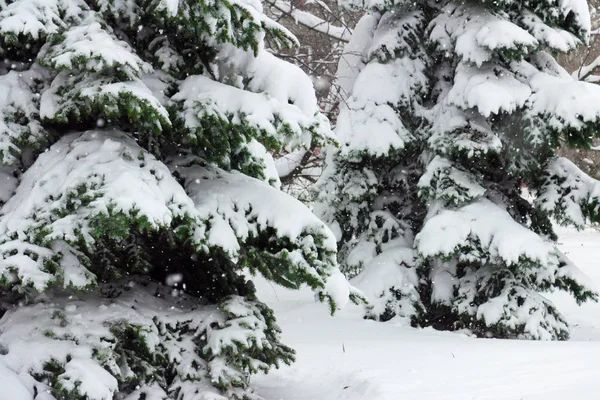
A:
(137, 189)
(456, 106)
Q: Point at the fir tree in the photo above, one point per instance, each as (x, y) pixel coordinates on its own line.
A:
(137, 188)
(454, 107)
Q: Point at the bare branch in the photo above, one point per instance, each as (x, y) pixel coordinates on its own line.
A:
(341, 33)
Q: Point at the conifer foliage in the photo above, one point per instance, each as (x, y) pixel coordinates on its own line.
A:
(457, 105)
(137, 188)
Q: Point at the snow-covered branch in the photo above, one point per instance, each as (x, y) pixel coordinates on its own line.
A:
(311, 21)
(584, 73)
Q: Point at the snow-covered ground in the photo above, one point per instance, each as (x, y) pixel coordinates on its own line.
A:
(346, 357)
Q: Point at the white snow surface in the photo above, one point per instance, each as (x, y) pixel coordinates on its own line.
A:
(554, 38)
(382, 88)
(348, 358)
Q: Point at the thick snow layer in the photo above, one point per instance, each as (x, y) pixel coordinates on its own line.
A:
(204, 97)
(355, 129)
(378, 92)
(115, 173)
(384, 88)
(100, 49)
(580, 12)
(391, 83)
(475, 32)
(266, 73)
(506, 241)
(473, 86)
(241, 207)
(347, 358)
(563, 102)
(13, 387)
(261, 84)
(555, 38)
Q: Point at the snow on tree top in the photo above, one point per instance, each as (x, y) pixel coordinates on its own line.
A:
(266, 73)
(354, 57)
(271, 91)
